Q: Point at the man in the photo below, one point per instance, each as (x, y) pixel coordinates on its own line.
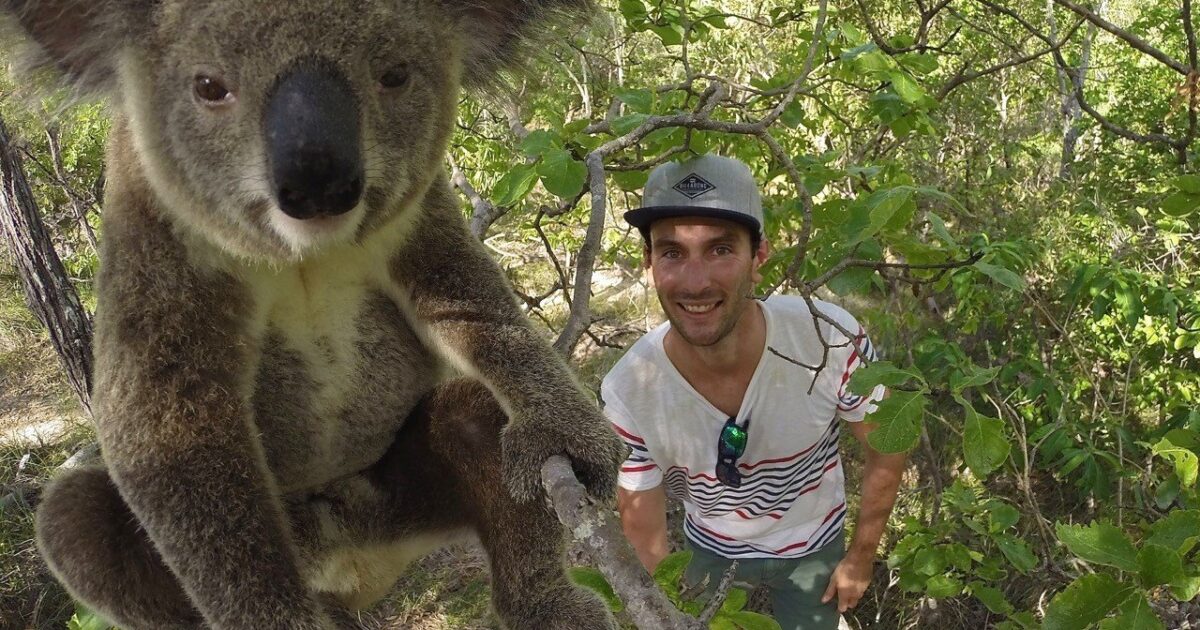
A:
(721, 411)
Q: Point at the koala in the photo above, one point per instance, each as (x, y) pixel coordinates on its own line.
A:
(308, 373)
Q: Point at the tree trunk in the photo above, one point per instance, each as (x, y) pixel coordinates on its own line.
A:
(1072, 113)
(48, 290)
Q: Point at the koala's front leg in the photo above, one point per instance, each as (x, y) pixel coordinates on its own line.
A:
(175, 362)
(462, 295)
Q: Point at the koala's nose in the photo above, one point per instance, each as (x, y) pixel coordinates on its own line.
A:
(314, 143)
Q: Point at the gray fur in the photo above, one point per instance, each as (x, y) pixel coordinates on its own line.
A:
(278, 430)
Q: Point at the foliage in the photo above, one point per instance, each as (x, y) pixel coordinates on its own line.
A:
(732, 615)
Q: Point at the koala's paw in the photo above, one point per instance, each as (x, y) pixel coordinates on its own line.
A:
(581, 434)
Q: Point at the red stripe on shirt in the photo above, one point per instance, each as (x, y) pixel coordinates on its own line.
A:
(629, 435)
(805, 543)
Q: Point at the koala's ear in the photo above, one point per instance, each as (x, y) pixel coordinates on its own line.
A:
(495, 30)
(79, 38)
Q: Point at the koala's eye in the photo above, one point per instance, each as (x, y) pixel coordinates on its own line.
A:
(394, 78)
(212, 91)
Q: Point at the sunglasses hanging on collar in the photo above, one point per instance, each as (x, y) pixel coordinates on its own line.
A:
(731, 444)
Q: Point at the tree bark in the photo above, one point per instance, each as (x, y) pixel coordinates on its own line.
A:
(48, 290)
(1069, 86)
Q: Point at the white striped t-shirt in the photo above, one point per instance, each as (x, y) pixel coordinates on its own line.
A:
(791, 501)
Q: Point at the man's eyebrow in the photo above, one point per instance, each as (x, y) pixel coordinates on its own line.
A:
(728, 236)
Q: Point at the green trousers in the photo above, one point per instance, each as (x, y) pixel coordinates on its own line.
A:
(796, 584)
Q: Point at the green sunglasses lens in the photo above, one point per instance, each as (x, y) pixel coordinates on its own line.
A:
(733, 441)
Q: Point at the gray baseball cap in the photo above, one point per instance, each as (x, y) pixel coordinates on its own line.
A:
(707, 186)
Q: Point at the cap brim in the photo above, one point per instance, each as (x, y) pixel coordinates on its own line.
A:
(641, 218)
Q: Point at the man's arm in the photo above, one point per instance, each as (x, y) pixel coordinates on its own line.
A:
(881, 480)
(644, 519)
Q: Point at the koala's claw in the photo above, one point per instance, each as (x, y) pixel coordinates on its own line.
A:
(594, 450)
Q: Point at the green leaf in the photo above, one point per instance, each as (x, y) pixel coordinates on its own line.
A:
(972, 376)
(514, 185)
(1101, 543)
(1187, 183)
(721, 621)
(84, 619)
(1086, 601)
(930, 561)
(630, 180)
(1186, 462)
(633, 10)
(669, 572)
(1002, 275)
(1159, 565)
(793, 115)
(1178, 530)
(624, 124)
(1186, 588)
(1135, 614)
(985, 446)
(561, 173)
(939, 228)
(993, 598)
(865, 379)
(1180, 204)
(641, 101)
(735, 600)
(671, 34)
(539, 141)
(899, 418)
(592, 579)
(747, 620)
(942, 586)
(906, 88)
(881, 205)
(1001, 516)
(1017, 552)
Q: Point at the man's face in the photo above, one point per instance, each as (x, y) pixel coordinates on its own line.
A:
(704, 272)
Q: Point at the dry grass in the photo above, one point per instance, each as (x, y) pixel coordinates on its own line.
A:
(40, 426)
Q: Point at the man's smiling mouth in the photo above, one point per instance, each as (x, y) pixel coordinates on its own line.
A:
(699, 309)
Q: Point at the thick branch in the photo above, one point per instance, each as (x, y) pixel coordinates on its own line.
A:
(601, 534)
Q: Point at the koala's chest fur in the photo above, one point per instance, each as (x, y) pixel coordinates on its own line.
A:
(341, 367)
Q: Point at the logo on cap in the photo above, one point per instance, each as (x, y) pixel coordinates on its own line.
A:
(693, 186)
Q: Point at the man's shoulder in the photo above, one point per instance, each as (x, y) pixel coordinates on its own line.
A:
(795, 308)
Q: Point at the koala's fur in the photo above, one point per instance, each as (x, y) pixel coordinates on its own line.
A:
(273, 396)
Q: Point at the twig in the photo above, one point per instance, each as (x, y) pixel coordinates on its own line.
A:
(718, 598)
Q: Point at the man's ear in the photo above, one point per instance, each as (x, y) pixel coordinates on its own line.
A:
(495, 30)
(760, 258)
(78, 38)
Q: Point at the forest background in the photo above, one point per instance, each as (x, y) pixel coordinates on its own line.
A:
(1005, 193)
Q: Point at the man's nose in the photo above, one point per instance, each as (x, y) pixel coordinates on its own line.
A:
(695, 276)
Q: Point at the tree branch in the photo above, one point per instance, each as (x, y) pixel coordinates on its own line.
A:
(602, 536)
(1129, 38)
(483, 212)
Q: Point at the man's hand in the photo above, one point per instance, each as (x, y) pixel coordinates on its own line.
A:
(848, 582)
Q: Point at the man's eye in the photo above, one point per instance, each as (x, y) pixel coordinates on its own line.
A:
(723, 251)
